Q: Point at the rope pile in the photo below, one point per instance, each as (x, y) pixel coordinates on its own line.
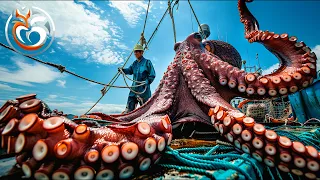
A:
(203, 160)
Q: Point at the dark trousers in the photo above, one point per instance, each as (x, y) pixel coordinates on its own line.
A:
(132, 103)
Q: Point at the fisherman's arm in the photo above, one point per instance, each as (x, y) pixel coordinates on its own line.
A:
(128, 70)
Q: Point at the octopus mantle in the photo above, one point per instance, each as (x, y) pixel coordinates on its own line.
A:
(197, 87)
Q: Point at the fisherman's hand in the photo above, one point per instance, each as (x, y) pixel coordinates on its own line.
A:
(120, 69)
(140, 99)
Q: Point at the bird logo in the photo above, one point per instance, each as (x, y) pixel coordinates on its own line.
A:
(31, 33)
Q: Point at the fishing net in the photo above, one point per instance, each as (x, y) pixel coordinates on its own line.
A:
(266, 110)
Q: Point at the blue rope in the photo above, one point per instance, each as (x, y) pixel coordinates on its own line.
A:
(278, 174)
(211, 162)
(270, 173)
(201, 159)
(231, 156)
(290, 175)
(212, 150)
(196, 149)
(191, 169)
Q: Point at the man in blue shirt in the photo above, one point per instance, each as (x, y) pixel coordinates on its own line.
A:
(142, 70)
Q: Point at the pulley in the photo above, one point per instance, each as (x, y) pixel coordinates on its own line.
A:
(204, 30)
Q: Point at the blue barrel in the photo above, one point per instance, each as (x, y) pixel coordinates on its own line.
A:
(306, 103)
(298, 107)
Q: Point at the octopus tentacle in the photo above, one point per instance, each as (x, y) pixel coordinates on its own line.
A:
(267, 146)
(296, 58)
(200, 86)
(43, 143)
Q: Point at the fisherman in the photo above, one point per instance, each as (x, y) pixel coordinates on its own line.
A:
(142, 70)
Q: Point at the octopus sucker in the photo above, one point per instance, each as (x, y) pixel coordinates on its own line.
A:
(125, 171)
(31, 106)
(105, 172)
(258, 142)
(284, 167)
(65, 171)
(29, 167)
(20, 158)
(129, 150)
(11, 128)
(26, 142)
(258, 155)
(91, 156)
(144, 163)
(84, 172)
(8, 113)
(45, 171)
(110, 153)
(31, 123)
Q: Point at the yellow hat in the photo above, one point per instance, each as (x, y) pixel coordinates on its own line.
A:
(138, 47)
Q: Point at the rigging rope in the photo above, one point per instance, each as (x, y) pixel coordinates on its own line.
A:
(145, 20)
(112, 81)
(63, 69)
(195, 16)
(140, 82)
(142, 39)
(118, 73)
(172, 18)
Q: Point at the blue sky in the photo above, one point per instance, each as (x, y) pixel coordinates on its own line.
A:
(94, 38)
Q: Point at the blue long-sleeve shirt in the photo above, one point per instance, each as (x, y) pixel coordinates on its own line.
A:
(142, 71)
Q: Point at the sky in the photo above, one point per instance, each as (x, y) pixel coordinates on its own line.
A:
(94, 38)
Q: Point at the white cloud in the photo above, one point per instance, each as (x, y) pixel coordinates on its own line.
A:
(316, 50)
(52, 96)
(83, 107)
(106, 57)
(90, 4)
(91, 83)
(4, 87)
(270, 69)
(61, 83)
(132, 11)
(26, 74)
(77, 29)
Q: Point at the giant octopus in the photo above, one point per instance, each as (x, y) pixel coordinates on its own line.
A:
(197, 87)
